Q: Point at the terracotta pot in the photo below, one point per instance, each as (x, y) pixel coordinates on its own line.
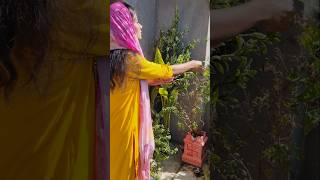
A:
(194, 149)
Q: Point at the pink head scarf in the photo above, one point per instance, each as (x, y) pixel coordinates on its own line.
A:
(123, 32)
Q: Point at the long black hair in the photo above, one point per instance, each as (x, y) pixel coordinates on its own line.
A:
(118, 63)
(25, 22)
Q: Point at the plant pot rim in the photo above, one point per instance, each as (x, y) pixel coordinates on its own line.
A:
(203, 133)
(202, 138)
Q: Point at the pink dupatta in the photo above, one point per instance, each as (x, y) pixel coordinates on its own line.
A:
(122, 29)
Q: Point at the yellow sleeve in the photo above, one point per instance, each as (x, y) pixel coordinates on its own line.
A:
(140, 68)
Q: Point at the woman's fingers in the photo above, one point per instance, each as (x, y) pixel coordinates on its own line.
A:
(197, 66)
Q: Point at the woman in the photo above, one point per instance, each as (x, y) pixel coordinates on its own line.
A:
(47, 86)
(130, 109)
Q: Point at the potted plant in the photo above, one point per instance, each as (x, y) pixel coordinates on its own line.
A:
(191, 118)
(188, 100)
(164, 97)
(194, 149)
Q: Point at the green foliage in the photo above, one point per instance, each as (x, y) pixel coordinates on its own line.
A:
(172, 50)
(237, 53)
(171, 43)
(175, 51)
(229, 169)
(293, 93)
(308, 76)
(277, 155)
(218, 4)
(167, 99)
(163, 148)
(197, 95)
(233, 69)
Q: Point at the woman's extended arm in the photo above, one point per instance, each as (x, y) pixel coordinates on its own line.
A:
(231, 21)
(193, 65)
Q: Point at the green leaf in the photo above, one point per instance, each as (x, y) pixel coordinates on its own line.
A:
(158, 57)
(163, 92)
(258, 35)
(219, 67)
(240, 42)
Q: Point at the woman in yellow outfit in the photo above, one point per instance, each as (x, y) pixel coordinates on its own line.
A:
(128, 67)
(47, 86)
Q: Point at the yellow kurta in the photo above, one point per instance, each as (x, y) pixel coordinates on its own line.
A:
(47, 129)
(124, 114)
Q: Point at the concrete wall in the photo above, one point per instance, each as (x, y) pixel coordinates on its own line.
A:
(311, 7)
(146, 11)
(194, 15)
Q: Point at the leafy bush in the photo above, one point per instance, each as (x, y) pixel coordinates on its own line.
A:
(292, 94)
(185, 88)
(163, 148)
(308, 76)
(233, 70)
(168, 99)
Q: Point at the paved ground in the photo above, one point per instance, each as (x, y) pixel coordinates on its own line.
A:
(174, 169)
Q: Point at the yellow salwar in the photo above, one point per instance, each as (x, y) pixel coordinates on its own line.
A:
(47, 127)
(124, 116)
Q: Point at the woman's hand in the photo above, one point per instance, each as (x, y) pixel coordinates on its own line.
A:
(194, 65)
(197, 66)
